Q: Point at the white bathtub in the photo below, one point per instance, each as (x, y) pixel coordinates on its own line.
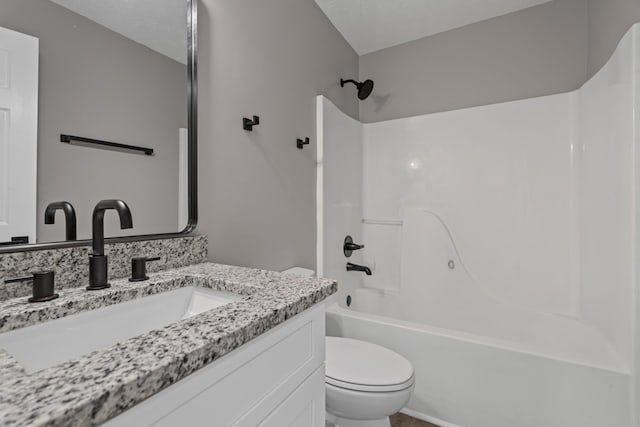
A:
(503, 241)
(483, 371)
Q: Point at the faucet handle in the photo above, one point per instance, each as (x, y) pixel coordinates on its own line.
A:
(43, 285)
(139, 268)
(348, 246)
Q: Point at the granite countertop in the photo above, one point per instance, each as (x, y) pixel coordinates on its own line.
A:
(100, 385)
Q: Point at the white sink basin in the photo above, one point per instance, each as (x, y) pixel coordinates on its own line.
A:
(48, 344)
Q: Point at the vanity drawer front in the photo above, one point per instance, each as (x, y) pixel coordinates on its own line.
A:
(303, 408)
(243, 387)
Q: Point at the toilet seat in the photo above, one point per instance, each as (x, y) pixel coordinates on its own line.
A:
(370, 389)
(365, 367)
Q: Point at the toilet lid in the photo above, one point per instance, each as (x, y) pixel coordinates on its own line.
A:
(364, 366)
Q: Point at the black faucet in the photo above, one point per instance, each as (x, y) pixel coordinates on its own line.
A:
(355, 267)
(98, 261)
(69, 217)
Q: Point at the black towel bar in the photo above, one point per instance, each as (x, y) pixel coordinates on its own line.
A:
(68, 138)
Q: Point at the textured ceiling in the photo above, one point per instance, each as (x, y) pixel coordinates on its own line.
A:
(158, 24)
(370, 25)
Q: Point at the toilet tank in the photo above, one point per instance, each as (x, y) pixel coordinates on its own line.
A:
(299, 271)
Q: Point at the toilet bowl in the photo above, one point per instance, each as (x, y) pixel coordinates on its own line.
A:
(365, 383)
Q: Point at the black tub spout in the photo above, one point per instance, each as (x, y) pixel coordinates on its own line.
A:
(355, 267)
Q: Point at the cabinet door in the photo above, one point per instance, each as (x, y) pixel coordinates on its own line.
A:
(304, 407)
(243, 387)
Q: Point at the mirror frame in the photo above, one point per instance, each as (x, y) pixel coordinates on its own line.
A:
(192, 157)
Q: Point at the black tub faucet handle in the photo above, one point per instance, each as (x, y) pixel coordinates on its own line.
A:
(348, 247)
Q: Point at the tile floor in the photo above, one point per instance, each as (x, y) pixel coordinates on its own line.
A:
(402, 420)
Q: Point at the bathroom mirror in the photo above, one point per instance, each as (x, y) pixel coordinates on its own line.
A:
(97, 101)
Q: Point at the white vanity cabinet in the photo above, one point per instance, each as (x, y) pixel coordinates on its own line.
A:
(275, 380)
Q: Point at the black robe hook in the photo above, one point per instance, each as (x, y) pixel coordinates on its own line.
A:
(248, 124)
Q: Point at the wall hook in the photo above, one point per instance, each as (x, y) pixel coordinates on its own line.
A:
(248, 124)
(300, 143)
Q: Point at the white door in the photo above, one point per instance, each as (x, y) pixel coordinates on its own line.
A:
(18, 134)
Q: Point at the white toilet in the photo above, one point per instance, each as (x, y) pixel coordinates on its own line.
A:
(365, 382)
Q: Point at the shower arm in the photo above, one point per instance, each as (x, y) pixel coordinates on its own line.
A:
(343, 82)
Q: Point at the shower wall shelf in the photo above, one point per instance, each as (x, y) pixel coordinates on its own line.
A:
(68, 139)
(396, 222)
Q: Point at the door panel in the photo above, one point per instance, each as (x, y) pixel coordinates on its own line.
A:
(304, 407)
(18, 134)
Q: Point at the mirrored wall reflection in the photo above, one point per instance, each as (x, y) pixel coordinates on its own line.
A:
(106, 71)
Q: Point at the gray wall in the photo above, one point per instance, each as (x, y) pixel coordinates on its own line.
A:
(609, 20)
(537, 51)
(256, 189)
(98, 84)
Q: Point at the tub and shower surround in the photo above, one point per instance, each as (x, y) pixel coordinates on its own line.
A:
(503, 244)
